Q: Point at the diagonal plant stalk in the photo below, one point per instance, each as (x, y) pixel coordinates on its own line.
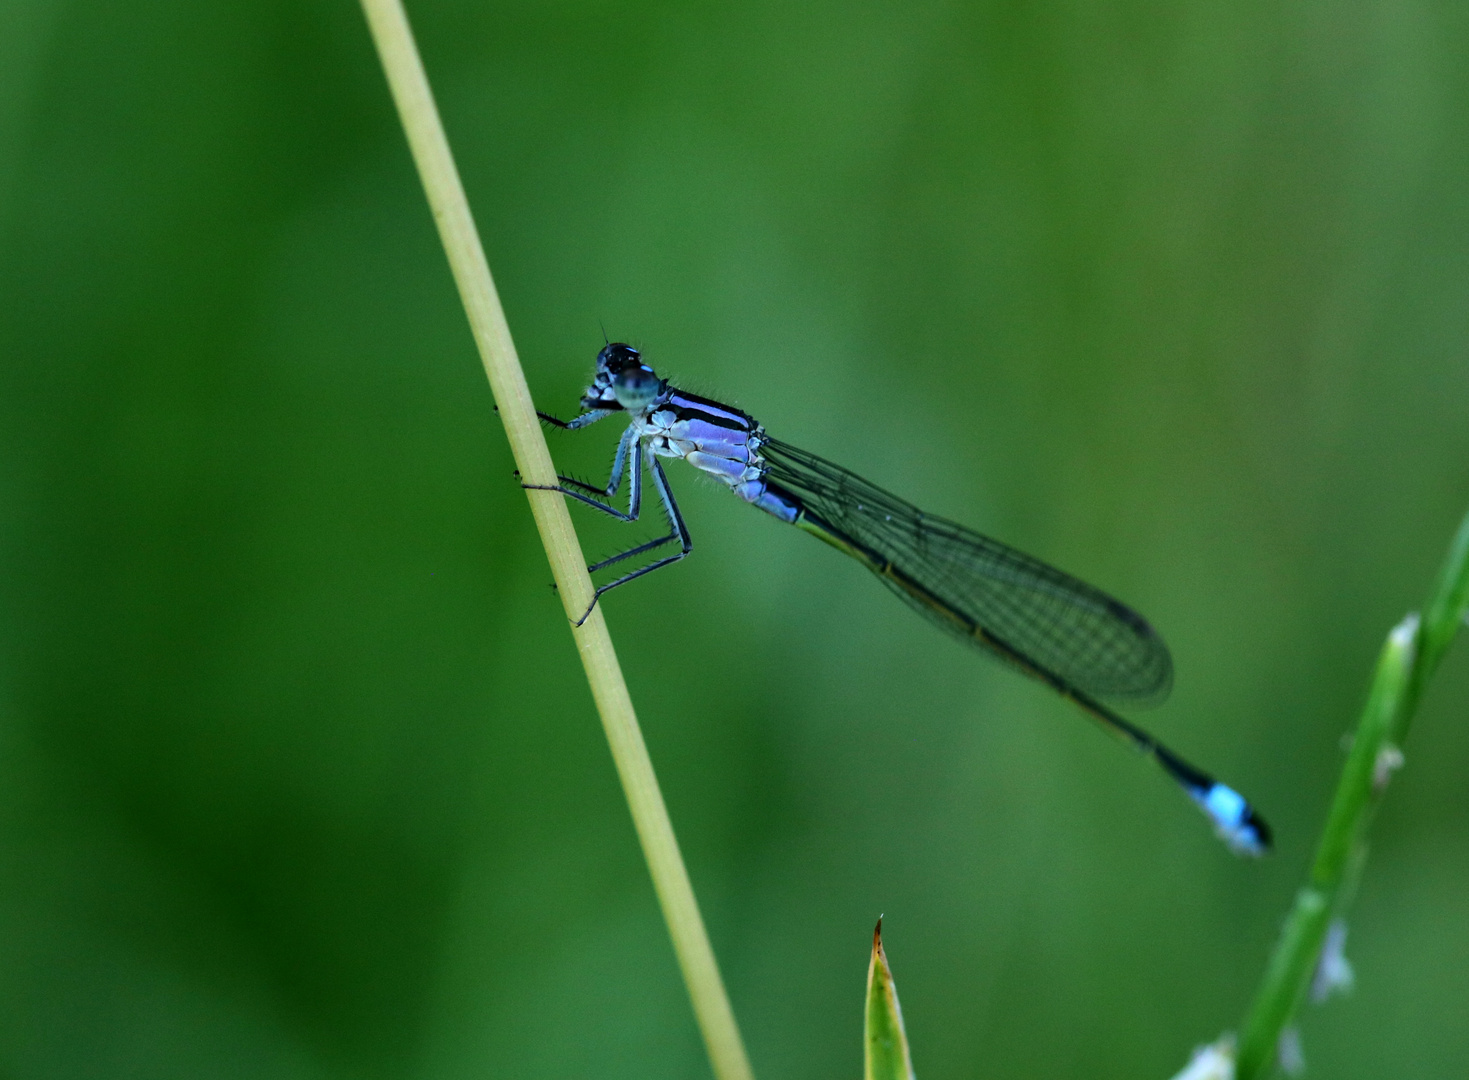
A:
(404, 68)
(1409, 657)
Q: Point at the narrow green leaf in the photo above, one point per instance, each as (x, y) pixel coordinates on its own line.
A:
(886, 1041)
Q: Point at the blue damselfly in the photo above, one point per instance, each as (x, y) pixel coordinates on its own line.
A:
(1047, 624)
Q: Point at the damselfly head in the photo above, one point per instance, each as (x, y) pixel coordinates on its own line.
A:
(622, 381)
(633, 384)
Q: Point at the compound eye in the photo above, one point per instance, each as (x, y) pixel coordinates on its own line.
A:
(617, 357)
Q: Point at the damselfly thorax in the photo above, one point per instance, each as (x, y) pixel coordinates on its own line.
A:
(720, 441)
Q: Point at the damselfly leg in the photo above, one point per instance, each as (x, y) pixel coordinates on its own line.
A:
(629, 458)
(591, 416)
(680, 533)
(627, 445)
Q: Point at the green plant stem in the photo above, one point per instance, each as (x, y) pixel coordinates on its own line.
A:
(1408, 659)
(431, 154)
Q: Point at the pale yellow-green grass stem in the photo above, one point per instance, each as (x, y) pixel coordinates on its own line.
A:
(430, 147)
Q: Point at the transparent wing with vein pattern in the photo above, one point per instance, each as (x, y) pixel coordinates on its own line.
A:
(1060, 624)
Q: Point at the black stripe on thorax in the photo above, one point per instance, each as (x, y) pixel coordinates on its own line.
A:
(692, 407)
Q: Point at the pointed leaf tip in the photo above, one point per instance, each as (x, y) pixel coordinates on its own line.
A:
(886, 1042)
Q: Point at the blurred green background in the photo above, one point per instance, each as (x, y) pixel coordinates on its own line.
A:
(299, 776)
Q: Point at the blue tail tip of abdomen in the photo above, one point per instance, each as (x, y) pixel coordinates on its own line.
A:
(1234, 819)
